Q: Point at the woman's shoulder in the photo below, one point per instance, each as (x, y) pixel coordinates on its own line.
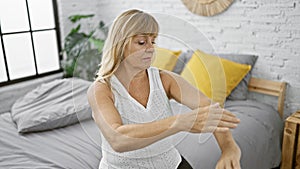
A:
(167, 79)
(99, 89)
(170, 79)
(166, 75)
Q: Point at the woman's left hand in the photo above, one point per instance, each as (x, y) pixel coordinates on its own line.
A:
(230, 158)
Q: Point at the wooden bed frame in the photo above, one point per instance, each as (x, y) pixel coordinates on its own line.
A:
(270, 87)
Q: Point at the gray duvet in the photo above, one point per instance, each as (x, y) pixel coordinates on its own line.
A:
(78, 146)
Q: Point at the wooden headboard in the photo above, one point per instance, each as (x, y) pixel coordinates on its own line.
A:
(269, 87)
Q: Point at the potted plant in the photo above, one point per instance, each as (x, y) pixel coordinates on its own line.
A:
(83, 50)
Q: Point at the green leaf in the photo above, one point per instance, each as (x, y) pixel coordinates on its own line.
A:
(75, 30)
(98, 43)
(101, 24)
(74, 44)
(87, 64)
(76, 18)
(91, 33)
(103, 28)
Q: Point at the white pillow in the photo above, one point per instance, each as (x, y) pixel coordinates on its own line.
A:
(59, 103)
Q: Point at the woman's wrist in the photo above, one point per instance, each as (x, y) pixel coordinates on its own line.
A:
(228, 144)
(177, 124)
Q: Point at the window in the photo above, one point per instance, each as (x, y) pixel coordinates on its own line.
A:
(29, 40)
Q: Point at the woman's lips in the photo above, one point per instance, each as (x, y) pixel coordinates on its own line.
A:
(147, 59)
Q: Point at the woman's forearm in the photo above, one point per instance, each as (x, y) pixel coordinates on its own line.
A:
(135, 136)
(225, 140)
(146, 130)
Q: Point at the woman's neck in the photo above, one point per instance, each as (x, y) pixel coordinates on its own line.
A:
(127, 74)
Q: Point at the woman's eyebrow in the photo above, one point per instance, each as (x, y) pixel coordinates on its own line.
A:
(142, 35)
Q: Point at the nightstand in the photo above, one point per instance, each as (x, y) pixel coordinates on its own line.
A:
(291, 142)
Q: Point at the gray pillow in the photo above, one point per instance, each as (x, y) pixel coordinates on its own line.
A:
(241, 90)
(59, 103)
(183, 58)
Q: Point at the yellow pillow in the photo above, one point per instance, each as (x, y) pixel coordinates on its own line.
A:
(165, 59)
(214, 76)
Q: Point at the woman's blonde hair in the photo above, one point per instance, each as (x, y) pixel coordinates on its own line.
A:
(125, 26)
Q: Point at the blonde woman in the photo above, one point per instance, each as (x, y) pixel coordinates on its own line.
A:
(130, 103)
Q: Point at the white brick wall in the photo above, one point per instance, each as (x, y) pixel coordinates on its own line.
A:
(270, 29)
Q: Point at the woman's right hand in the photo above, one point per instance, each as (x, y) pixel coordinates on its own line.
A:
(211, 118)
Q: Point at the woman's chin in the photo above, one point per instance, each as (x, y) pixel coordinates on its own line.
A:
(146, 66)
(147, 63)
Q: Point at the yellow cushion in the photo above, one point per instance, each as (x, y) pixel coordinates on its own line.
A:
(214, 76)
(165, 59)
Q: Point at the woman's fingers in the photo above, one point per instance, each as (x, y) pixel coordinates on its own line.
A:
(228, 113)
(218, 123)
(223, 115)
(236, 165)
(212, 118)
(227, 124)
(229, 118)
(214, 129)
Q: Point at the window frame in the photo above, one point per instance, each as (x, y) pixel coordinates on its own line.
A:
(58, 38)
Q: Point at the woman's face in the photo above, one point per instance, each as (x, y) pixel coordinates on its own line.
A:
(139, 53)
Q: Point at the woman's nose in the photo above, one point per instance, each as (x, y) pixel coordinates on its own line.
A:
(150, 47)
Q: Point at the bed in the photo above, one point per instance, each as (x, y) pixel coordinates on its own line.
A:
(32, 137)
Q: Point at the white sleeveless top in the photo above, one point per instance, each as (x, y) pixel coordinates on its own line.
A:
(159, 155)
